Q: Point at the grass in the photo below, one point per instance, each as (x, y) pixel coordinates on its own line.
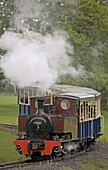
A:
(8, 109)
(9, 115)
(66, 168)
(94, 165)
(104, 138)
(7, 150)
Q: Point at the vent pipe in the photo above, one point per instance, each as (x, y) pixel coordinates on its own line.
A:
(40, 101)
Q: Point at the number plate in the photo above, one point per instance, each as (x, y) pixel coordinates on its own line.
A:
(34, 146)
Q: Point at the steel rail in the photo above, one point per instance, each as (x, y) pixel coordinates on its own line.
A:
(14, 164)
(69, 156)
(8, 126)
(29, 162)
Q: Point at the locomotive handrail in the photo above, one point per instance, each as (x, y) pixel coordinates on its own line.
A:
(28, 104)
(85, 120)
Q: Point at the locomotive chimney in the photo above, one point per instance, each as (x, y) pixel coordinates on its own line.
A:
(40, 101)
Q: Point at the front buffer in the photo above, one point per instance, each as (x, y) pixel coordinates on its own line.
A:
(35, 148)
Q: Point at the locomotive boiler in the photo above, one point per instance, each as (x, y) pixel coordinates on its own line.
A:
(66, 120)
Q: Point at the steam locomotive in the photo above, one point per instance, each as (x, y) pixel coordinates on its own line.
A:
(64, 120)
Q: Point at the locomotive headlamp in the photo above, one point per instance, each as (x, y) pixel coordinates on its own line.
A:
(18, 149)
(61, 147)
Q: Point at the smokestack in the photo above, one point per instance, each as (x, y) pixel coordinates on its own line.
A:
(40, 101)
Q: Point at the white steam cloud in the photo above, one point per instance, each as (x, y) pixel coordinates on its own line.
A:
(35, 59)
(31, 58)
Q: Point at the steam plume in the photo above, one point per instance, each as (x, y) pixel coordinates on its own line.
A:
(31, 58)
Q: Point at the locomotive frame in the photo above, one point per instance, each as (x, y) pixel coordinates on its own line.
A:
(65, 120)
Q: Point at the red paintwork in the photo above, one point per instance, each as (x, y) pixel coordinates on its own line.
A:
(22, 123)
(71, 111)
(22, 144)
(33, 108)
(58, 125)
(49, 145)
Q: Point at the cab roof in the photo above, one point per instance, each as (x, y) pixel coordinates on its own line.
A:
(75, 92)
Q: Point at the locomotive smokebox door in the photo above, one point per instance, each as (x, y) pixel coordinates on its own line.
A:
(39, 125)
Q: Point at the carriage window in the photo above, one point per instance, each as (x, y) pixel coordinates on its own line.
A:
(85, 110)
(82, 111)
(89, 109)
(65, 104)
(92, 109)
(98, 106)
(95, 109)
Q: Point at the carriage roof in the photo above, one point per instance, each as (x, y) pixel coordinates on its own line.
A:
(69, 91)
(76, 92)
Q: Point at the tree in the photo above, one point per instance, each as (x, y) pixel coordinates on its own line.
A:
(6, 10)
(88, 30)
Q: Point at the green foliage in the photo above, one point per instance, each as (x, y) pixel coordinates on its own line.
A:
(88, 30)
(7, 9)
(1, 76)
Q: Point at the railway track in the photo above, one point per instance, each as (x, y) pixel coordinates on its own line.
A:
(69, 156)
(11, 165)
(9, 127)
(29, 162)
